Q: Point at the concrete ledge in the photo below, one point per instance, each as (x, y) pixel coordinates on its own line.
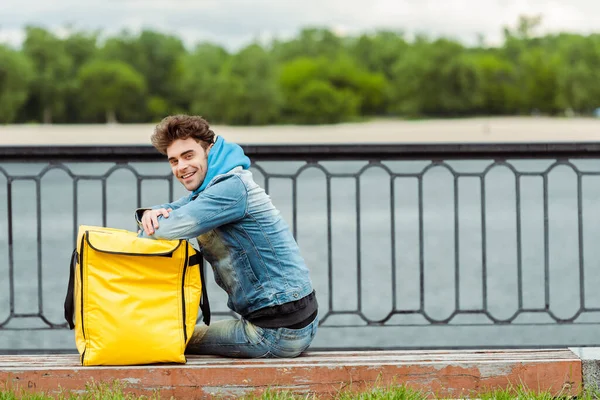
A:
(441, 373)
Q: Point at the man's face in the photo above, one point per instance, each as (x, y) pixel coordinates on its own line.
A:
(189, 162)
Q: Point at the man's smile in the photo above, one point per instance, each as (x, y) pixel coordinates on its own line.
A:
(188, 175)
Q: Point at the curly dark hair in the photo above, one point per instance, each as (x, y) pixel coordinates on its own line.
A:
(183, 127)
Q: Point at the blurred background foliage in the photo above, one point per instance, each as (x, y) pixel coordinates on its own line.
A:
(316, 77)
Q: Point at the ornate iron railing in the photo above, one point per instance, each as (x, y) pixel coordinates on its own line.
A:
(410, 246)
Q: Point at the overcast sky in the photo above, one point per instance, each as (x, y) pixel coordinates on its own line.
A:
(234, 23)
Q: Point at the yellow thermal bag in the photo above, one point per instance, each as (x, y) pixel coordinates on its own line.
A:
(133, 300)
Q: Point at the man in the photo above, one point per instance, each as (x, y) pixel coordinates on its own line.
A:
(254, 256)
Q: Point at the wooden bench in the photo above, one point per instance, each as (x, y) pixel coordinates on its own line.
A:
(441, 373)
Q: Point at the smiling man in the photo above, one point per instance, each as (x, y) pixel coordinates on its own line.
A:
(251, 249)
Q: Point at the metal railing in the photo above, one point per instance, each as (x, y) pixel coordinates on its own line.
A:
(410, 246)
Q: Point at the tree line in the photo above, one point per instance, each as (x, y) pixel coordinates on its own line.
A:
(316, 77)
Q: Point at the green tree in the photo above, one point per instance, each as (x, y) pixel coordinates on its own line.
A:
(311, 42)
(380, 51)
(16, 73)
(199, 70)
(538, 74)
(244, 90)
(200, 81)
(318, 102)
(156, 57)
(111, 87)
(368, 74)
(81, 47)
(500, 91)
(578, 79)
(303, 79)
(435, 79)
(53, 71)
(345, 74)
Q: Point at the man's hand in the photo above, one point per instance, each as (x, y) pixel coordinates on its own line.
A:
(150, 219)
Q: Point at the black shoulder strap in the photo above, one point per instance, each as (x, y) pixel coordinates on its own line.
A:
(69, 301)
(204, 303)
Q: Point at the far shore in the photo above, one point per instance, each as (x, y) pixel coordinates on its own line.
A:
(467, 130)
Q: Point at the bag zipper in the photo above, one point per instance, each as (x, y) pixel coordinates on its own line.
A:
(185, 265)
(164, 254)
(81, 278)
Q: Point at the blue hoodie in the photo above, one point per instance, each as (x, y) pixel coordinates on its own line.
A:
(222, 158)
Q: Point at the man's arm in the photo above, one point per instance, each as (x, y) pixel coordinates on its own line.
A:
(220, 204)
(173, 206)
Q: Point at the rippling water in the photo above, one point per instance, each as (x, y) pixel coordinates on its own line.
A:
(364, 260)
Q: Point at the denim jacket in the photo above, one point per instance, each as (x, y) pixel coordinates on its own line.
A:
(251, 249)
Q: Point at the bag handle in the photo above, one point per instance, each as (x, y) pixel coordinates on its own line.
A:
(196, 259)
(69, 302)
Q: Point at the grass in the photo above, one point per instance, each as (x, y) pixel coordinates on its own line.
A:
(116, 391)
(523, 394)
(404, 393)
(93, 391)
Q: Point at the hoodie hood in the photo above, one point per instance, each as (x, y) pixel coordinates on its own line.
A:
(222, 158)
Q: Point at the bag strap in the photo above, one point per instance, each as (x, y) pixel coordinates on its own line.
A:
(69, 302)
(197, 259)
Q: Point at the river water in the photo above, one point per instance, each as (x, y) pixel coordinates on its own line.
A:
(479, 234)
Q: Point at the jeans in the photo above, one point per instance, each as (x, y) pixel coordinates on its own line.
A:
(242, 339)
